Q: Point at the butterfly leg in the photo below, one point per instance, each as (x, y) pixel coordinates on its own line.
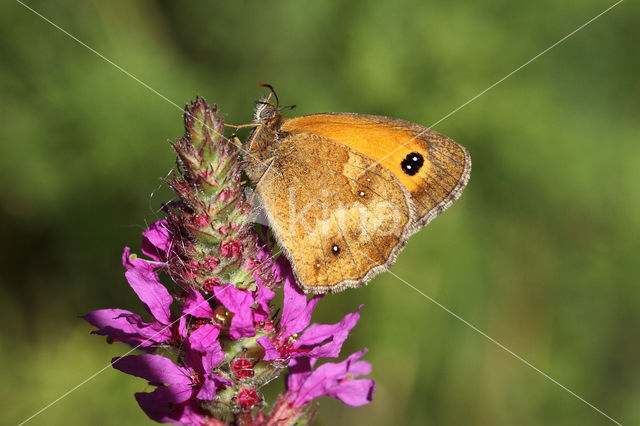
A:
(236, 140)
(241, 126)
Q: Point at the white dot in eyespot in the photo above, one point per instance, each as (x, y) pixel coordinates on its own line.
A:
(317, 265)
(368, 180)
(408, 166)
(361, 193)
(415, 158)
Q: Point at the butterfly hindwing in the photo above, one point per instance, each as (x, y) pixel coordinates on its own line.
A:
(339, 216)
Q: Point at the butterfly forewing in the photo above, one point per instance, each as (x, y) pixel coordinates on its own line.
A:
(430, 166)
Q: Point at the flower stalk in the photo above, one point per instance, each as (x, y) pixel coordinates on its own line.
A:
(211, 338)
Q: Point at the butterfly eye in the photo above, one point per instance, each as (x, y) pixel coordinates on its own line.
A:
(412, 163)
(335, 250)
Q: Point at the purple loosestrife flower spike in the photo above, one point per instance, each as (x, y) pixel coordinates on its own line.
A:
(211, 334)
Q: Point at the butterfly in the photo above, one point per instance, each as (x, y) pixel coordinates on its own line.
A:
(343, 192)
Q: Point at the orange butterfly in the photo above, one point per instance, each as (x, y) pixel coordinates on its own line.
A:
(343, 192)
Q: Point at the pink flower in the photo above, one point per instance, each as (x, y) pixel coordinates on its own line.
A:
(317, 341)
(336, 380)
(156, 241)
(126, 326)
(239, 302)
(174, 400)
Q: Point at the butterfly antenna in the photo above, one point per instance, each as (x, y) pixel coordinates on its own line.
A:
(288, 107)
(272, 91)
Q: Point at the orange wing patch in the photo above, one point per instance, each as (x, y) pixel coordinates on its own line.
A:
(432, 167)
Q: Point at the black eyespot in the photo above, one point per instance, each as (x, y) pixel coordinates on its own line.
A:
(335, 250)
(412, 163)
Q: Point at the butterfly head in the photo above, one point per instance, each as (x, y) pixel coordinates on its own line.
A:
(265, 112)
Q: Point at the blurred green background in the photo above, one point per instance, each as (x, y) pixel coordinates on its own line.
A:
(541, 252)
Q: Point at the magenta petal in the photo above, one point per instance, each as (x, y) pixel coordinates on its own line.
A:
(151, 292)
(266, 259)
(239, 302)
(354, 392)
(296, 312)
(299, 371)
(203, 349)
(358, 367)
(196, 305)
(127, 327)
(263, 297)
(204, 338)
(109, 318)
(265, 252)
(334, 334)
(208, 390)
(126, 258)
(194, 416)
(281, 268)
(182, 326)
(154, 368)
(212, 357)
(221, 381)
(132, 261)
(156, 240)
(210, 386)
(270, 352)
(330, 380)
(193, 360)
(163, 404)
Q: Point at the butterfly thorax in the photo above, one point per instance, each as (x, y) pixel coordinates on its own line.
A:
(263, 141)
